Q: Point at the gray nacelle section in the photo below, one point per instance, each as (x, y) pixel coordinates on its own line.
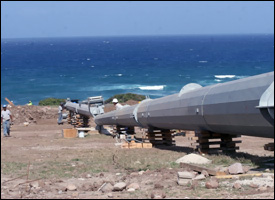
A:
(228, 108)
(84, 109)
(231, 107)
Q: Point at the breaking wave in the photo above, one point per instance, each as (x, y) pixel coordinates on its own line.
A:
(225, 76)
(156, 87)
(123, 87)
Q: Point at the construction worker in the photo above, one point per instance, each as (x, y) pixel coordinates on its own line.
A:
(6, 119)
(60, 116)
(117, 105)
(30, 103)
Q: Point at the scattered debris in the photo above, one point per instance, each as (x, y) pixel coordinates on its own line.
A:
(158, 195)
(101, 186)
(186, 175)
(196, 168)
(237, 176)
(199, 177)
(185, 178)
(107, 188)
(131, 190)
(258, 182)
(158, 186)
(237, 186)
(134, 186)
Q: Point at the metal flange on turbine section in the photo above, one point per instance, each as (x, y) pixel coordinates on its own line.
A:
(226, 108)
(266, 104)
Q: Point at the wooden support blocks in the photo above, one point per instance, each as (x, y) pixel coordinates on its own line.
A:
(160, 137)
(269, 147)
(208, 142)
(147, 145)
(134, 145)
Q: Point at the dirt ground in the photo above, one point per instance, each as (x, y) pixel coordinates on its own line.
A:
(40, 151)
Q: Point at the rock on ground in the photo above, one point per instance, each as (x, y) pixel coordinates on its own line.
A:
(119, 186)
(212, 184)
(199, 177)
(158, 195)
(107, 188)
(134, 186)
(186, 175)
(193, 158)
(184, 182)
(236, 168)
(71, 187)
(237, 186)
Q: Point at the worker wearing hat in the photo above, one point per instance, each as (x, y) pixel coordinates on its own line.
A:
(118, 105)
(6, 119)
(60, 114)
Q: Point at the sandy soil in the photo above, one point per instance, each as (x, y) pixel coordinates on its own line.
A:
(90, 162)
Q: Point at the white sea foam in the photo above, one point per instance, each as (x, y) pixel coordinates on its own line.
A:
(225, 76)
(155, 87)
(239, 77)
(123, 87)
(218, 80)
(203, 61)
(118, 74)
(111, 87)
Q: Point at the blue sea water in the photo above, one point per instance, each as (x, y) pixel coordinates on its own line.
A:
(35, 69)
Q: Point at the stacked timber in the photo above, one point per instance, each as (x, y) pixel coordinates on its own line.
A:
(269, 147)
(208, 142)
(160, 137)
(79, 121)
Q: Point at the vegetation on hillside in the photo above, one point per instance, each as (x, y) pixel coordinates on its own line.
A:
(122, 98)
(51, 102)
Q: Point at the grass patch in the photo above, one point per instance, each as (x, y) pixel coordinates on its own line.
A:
(96, 161)
(51, 102)
(11, 168)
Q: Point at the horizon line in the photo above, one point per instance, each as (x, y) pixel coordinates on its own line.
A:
(160, 35)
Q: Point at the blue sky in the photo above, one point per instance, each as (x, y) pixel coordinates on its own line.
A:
(29, 19)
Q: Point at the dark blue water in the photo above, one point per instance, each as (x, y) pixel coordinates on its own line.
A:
(35, 69)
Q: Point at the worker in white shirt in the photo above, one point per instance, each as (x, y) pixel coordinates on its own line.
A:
(60, 117)
(6, 119)
(118, 105)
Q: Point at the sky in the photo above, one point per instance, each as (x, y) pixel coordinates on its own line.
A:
(32, 19)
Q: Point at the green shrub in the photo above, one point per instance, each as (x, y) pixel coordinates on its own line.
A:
(122, 98)
(51, 102)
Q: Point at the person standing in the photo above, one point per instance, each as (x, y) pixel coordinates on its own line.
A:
(6, 119)
(60, 117)
(30, 103)
(117, 105)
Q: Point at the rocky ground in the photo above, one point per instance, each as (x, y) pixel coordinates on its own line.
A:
(37, 162)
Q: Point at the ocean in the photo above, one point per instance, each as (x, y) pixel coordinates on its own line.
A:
(156, 66)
